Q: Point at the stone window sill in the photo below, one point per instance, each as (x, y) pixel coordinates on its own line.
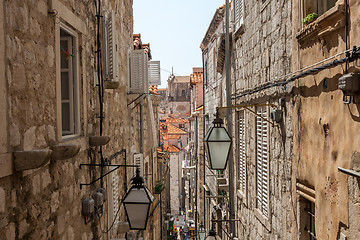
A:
(264, 220)
(327, 23)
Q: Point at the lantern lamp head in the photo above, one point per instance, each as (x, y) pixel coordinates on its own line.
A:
(137, 203)
(217, 144)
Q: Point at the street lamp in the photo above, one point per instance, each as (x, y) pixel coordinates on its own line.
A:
(202, 232)
(137, 203)
(217, 144)
(211, 235)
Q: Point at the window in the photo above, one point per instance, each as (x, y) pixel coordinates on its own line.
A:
(262, 162)
(241, 153)
(317, 6)
(69, 82)
(239, 14)
(183, 93)
(206, 73)
(307, 220)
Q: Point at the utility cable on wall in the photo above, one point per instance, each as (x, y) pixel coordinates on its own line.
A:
(352, 55)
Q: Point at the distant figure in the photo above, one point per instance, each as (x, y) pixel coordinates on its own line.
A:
(186, 231)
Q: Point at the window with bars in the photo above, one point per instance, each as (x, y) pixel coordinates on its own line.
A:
(307, 220)
(262, 161)
(241, 168)
(239, 13)
(69, 82)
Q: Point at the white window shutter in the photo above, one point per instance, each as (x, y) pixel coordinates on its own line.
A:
(139, 160)
(154, 73)
(115, 197)
(262, 162)
(139, 81)
(110, 53)
(242, 153)
(239, 13)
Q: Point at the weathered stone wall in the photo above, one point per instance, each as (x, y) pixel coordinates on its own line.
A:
(174, 184)
(45, 203)
(324, 127)
(261, 54)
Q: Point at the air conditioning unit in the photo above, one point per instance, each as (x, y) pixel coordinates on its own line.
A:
(110, 47)
(154, 73)
(139, 79)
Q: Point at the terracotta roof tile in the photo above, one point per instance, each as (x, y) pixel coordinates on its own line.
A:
(175, 130)
(170, 148)
(176, 120)
(173, 136)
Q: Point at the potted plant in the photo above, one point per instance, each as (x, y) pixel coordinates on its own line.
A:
(310, 18)
(159, 186)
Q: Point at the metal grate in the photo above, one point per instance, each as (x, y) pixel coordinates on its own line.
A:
(310, 228)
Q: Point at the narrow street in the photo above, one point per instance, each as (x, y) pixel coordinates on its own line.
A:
(179, 120)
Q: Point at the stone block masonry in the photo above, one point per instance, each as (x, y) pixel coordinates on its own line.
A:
(45, 203)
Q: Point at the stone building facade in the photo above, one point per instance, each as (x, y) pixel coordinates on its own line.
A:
(324, 119)
(262, 38)
(64, 105)
(294, 117)
(213, 207)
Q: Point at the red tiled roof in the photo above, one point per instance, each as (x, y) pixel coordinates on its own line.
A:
(173, 136)
(175, 130)
(170, 148)
(176, 120)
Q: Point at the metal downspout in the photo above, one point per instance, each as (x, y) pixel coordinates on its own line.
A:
(229, 120)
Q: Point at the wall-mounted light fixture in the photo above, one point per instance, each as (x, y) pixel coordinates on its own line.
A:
(202, 232)
(211, 235)
(349, 84)
(137, 203)
(217, 144)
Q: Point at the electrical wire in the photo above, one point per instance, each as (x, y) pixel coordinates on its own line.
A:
(355, 54)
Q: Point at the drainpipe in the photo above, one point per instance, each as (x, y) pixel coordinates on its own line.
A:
(142, 126)
(203, 160)
(50, 7)
(229, 121)
(196, 174)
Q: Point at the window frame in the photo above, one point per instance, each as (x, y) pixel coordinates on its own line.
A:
(319, 10)
(75, 74)
(239, 14)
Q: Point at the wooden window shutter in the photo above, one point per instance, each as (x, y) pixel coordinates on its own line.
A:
(262, 162)
(154, 73)
(110, 48)
(139, 82)
(114, 197)
(242, 153)
(239, 13)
